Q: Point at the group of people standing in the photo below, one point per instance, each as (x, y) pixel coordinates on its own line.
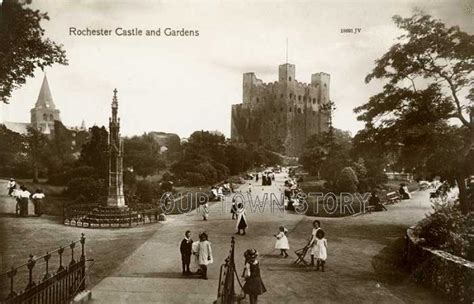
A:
(22, 196)
(201, 251)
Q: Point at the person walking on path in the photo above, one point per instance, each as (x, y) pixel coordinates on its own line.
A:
(321, 250)
(185, 249)
(24, 197)
(11, 185)
(37, 199)
(205, 211)
(233, 209)
(205, 254)
(253, 281)
(241, 219)
(282, 242)
(312, 242)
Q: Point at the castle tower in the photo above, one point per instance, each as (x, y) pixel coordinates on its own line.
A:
(44, 113)
(115, 197)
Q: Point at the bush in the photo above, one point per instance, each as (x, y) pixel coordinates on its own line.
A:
(65, 177)
(447, 229)
(88, 189)
(347, 181)
(195, 179)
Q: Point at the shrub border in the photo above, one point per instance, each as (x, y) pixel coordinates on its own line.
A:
(438, 269)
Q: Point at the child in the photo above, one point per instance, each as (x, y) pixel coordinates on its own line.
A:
(185, 249)
(282, 242)
(321, 249)
(205, 254)
(312, 241)
(253, 281)
(195, 259)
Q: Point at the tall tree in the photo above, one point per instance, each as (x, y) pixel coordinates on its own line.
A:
(327, 154)
(36, 148)
(143, 155)
(23, 47)
(95, 152)
(429, 80)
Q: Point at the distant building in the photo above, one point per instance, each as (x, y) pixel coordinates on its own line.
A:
(45, 117)
(281, 115)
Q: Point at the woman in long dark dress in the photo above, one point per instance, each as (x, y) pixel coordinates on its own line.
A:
(253, 281)
(241, 219)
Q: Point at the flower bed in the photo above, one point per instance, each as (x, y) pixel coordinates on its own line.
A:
(97, 216)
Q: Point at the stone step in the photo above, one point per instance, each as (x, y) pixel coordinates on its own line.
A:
(153, 290)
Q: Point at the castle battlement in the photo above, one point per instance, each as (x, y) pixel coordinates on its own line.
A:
(281, 114)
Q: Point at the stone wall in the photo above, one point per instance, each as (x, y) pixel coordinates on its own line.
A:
(440, 270)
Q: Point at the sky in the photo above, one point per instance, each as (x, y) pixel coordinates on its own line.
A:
(183, 84)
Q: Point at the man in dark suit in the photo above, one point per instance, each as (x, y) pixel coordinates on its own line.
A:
(185, 248)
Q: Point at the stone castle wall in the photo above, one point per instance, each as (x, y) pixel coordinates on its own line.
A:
(281, 115)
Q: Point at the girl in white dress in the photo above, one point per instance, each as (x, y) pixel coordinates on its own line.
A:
(282, 242)
(204, 254)
(320, 249)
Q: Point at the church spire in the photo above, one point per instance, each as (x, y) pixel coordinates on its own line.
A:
(45, 99)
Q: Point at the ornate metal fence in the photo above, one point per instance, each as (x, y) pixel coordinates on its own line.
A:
(47, 286)
(98, 216)
(226, 290)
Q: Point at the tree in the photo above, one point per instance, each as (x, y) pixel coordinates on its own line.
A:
(36, 148)
(142, 154)
(429, 80)
(23, 47)
(12, 161)
(327, 154)
(347, 180)
(95, 152)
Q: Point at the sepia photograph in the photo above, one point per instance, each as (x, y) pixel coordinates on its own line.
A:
(235, 151)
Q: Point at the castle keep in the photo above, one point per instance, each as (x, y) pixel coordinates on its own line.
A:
(281, 115)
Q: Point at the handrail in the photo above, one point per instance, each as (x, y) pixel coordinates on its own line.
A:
(48, 253)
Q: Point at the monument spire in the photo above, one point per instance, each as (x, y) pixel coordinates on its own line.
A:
(115, 197)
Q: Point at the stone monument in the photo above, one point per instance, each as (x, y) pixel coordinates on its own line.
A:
(115, 195)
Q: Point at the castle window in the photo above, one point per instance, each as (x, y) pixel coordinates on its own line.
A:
(281, 109)
(299, 111)
(45, 117)
(290, 109)
(314, 100)
(289, 78)
(51, 117)
(258, 99)
(291, 95)
(281, 96)
(304, 98)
